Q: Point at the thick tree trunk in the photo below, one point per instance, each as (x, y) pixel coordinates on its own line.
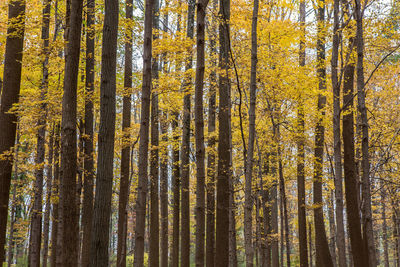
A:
(56, 208)
(125, 153)
(337, 144)
(353, 215)
(70, 220)
(224, 135)
(185, 148)
(211, 166)
(144, 138)
(104, 179)
(87, 209)
(10, 96)
(154, 233)
(323, 256)
(199, 123)
(49, 187)
(248, 206)
(301, 190)
(368, 231)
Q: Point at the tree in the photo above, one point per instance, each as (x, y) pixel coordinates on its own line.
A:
(199, 123)
(323, 256)
(70, 222)
(104, 179)
(224, 137)
(144, 137)
(9, 97)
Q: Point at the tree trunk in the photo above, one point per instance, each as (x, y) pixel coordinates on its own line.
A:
(211, 167)
(285, 211)
(384, 226)
(56, 208)
(87, 209)
(224, 136)
(49, 187)
(323, 256)
(104, 179)
(185, 149)
(310, 243)
(125, 153)
(70, 220)
(199, 133)
(164, 194)
(368, 231)
(353, 216)
(10, 96)
(144, 137)
(337, 144)
(274, 212)
(154, 236)
(332, 228)
(233, 261)
(248, 206)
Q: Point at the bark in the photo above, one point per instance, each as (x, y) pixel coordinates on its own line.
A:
(55, 209)
(224, 137)
(337, 144)
(310, 243)
(125, 153)
(368, 231)
(274, 212)
(248, 206)
(164, 195)
(384, 227)
(301, 189)
(211, 142)
(353, 216)
(102, 204)
(199, 133)
(185, 148)
(332, 229)
(49, 187)
(144, 137)
(323, 256)
(10, 96)
(285, 211)
(233, 260)
(70, 214)
(87, 209)
(154, 157)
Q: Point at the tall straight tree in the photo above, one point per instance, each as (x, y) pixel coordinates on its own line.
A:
(70, 217)
(224, 136)
(125, 153)
(104, 179)
(337, 144)
(36, 221)
(199, 122)
(87, 207)
(185, 148)
(154, 155)
(301, 189)
(211, 167)
(248, 206)
(323, 255)
(56, 186)
(10, 96)
(144, 137)
(368, 231)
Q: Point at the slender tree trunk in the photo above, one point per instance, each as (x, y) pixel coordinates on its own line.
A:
(332, 229)
(368, 231)
(274, 211)
(144, 137)
(185, 148)
(55, 209)
(36, 220)
(310, 246)
(353, 216)
(104, 179)
(233, 260)
(125, 153)
(154, 232)
(266, 213)
(337, 144)
(10, 96)
(49, 187)
(199, 123)
(323, 256)
(301, 189)
(224, 135)
(384, 227)
(284, 209)
(248, 206)
(87, 209)
(211, 167)
(70, 220)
